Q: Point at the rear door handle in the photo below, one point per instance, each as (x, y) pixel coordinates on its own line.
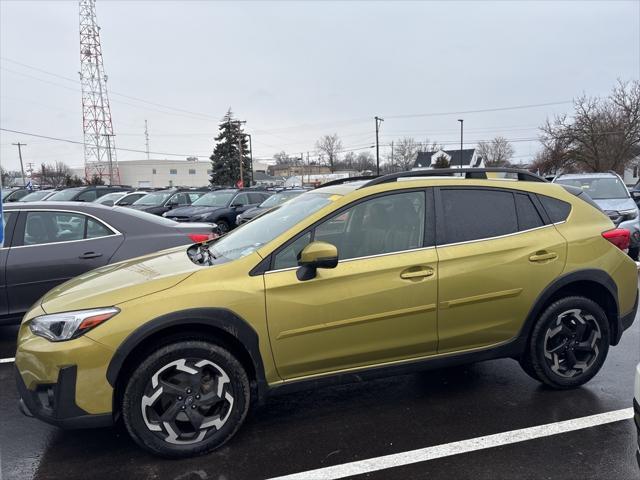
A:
(543, 256)
(423, 272)
(88, 255)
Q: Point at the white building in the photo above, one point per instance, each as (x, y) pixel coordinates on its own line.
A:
(161, 173)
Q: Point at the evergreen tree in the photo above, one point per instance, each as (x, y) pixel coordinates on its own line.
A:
(225, 160)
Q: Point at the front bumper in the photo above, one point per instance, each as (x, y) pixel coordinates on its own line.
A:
(54, 403)
(64, 383)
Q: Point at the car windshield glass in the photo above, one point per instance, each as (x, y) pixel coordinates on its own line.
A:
(34, 196)
(63, 195)
(252, 235)
(278, 199)
(214, 199)
(110, 196)
(149, 217)
(598, 188)
(156, 198)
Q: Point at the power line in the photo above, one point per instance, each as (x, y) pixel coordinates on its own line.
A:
(483, 110)
(75, 142)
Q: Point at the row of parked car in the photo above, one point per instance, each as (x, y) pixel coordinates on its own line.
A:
(224, 207)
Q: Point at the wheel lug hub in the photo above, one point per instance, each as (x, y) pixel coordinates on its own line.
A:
(188, 390)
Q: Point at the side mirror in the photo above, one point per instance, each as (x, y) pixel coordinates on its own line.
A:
(635, 194)
(316, 255)
(108, 203)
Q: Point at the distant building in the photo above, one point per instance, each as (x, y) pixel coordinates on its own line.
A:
(470, 158)
(161, 173)
(263, 179)
(292, 170)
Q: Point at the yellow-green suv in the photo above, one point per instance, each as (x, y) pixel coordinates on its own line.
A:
(401, 272)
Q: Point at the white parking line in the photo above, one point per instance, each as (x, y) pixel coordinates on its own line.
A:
(7, 360)
(480, 443)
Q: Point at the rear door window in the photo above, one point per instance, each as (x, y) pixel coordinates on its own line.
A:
(474, 214)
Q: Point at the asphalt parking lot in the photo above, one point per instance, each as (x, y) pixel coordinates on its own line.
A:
(432, 412)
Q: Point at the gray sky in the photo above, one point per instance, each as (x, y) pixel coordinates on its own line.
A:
(297, 70)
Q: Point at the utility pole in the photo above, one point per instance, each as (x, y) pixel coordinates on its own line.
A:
(308, 170)
(378, 122)
(240, 151)
(250, 158)
(20, 145)
(461, 138)
(146, 138)
(393, 165)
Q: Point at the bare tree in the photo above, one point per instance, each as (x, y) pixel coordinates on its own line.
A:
(54, 174)
(496, 153)
(603, 132)
(405, 152)
(330, 145)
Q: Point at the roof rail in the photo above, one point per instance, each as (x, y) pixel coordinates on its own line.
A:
(340, 181)
(523, 175)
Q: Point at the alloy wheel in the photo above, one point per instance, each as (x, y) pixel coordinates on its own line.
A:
(186, 400)
(572, 343)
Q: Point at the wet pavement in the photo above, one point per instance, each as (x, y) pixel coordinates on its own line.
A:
(315, 429)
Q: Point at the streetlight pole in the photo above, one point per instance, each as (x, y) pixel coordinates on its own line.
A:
(378, 122)
(250, 159)
(461, 138)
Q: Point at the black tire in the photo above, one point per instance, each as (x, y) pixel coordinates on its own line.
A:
(156, 388)
(223, 226)
(633, 253)
(568, 344)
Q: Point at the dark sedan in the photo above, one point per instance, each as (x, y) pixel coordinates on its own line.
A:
(47, 243)
(164, 200)
(220, 207)
(273, 201)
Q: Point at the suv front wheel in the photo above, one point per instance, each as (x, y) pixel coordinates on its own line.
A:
(186, 399)
(568, 344)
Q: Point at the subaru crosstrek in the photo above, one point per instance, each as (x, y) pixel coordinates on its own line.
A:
(609, 192)
(340, 283)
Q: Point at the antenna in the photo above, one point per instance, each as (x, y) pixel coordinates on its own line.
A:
(99, 145)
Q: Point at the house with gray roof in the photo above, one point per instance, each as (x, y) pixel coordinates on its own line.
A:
(470, 158)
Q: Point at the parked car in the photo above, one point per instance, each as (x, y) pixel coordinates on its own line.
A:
(162, 201)
(636, 411)
(340, 283)
(47, 243)
(37, 196)
(609, 192)
(122, 199)
(273, 201)
(85, 194)
(220, 207)
(14, 194)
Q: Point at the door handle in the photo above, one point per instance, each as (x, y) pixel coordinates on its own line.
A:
(88, 255)
(543, 256)
(423, 272)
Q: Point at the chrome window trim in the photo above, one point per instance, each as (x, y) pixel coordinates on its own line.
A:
(427, 248)
(500, 236)
(115, 231)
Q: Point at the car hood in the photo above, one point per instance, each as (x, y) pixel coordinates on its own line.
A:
(120, 282)
(190, 211)
(616, 204)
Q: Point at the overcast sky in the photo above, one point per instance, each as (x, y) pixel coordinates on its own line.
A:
(297, 70)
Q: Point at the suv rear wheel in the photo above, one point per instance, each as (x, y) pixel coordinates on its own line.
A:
(569, 343)
(185, 399)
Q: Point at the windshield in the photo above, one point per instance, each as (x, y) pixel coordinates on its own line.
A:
(110, 196)
(252, 235)
(156, 198)
(279, 199)
(214, 199)
(598, 188)
(35, 196)
(63, 195)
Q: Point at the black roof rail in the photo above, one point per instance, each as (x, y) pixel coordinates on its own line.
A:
(523, 175)
(340, 181)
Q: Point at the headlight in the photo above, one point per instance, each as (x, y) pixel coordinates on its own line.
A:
(629, 214)
(59, 327)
